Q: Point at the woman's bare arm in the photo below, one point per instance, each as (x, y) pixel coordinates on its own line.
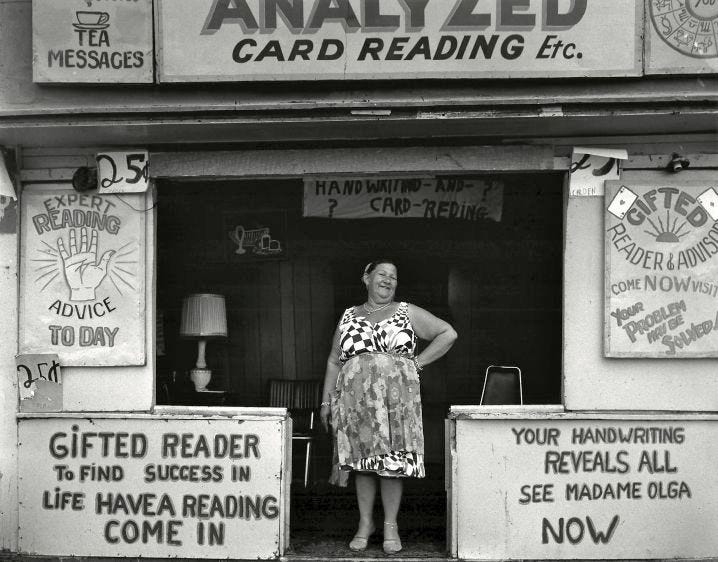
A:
(439, 333)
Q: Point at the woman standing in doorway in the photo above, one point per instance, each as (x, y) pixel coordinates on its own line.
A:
(372, 400)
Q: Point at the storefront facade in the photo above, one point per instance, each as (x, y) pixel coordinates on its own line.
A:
(336, 131)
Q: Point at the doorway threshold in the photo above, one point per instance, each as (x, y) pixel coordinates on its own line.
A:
(362, 557)
(336, 549)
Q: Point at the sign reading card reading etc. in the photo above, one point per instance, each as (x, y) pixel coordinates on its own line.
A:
(240, 40)
(83, 277)
(661, 292)
(585, 488)
(151, 487)
(85, 41)
(456, 199)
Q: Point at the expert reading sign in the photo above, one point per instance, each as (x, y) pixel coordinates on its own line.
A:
(151, 487)
(83, 277)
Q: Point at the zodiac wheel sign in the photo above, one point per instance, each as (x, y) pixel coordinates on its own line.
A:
(688, 26)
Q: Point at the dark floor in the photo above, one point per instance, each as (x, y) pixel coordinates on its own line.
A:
(324, 518)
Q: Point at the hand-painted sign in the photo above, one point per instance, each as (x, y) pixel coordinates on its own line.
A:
(39, 382)
(576, 488)
(85, 41)
(83, 280)
(151, 487)
(240, 40)
(457, 199)
(682, 37)
(122, 172)
(661, 244)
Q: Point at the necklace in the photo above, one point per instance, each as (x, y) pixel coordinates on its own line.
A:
(372, 311)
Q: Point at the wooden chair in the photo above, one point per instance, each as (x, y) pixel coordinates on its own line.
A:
(502, 385)
(302, 398)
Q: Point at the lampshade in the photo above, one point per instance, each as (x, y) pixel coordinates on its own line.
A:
(204, 316)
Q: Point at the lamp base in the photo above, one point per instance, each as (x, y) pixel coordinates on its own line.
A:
(200, 378)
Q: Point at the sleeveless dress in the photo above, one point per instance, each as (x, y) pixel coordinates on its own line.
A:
(376, 409)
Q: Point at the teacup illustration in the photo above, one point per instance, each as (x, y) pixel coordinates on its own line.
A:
(92, 18)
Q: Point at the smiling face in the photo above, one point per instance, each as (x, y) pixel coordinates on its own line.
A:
(381, 283)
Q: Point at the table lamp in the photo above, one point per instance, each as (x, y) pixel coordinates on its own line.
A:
(204, 316)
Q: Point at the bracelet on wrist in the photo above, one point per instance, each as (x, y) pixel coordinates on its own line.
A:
(324, 404)
(417, 364)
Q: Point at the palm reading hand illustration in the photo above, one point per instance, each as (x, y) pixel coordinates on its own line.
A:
(82, 270)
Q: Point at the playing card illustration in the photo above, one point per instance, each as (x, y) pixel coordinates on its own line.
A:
(622, 202)
(709, 201)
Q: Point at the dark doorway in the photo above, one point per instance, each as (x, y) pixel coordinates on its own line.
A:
(498, 283)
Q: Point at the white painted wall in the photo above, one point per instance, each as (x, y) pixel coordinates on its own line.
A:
(592, 382)
(8, 392)
(85, 389)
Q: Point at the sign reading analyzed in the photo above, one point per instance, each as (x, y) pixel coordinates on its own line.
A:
(661, 244)
(240, 40)
(151, 487)
(92, 42)
(83, 277)
(457, 199)
(585, 488)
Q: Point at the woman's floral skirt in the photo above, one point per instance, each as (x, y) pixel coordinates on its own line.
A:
(376, 418)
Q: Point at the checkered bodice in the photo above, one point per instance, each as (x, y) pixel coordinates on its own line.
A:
(393, 334)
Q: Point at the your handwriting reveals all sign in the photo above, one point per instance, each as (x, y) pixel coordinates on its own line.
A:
(581, 488)
(263, 39)
(640, 474)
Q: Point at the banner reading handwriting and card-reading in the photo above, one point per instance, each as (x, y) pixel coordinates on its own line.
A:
(83, 277)
(661, 244)
(457, 199)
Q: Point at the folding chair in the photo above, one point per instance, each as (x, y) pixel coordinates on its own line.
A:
(502, 385)
(302, 398)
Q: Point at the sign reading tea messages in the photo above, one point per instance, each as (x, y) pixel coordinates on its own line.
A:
(576, 488)
(83, 277)
(661, 243)
(241, 40)
(92, 41)
(457, 199)
(151, 487)
(682, 37)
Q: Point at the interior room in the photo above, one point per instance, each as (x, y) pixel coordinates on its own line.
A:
(287, 278)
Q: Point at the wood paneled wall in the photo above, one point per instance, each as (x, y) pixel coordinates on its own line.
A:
(280, 312)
